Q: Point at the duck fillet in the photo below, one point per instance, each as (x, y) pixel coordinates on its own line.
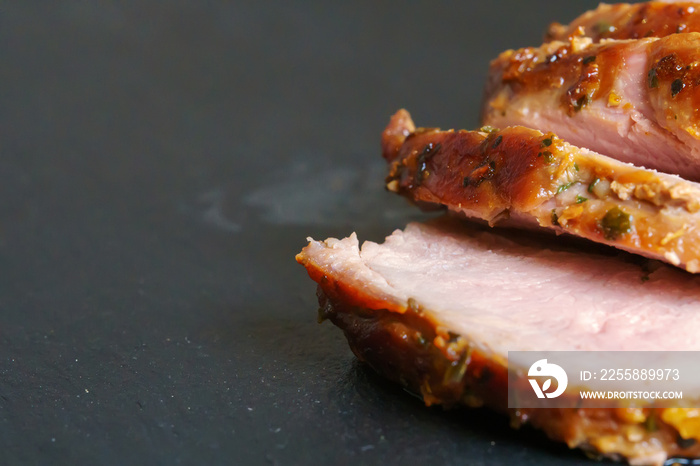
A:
(438, 306)
(522, 176)
(630, 21)
(632, 100)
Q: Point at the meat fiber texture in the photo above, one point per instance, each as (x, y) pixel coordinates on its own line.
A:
(518, 295)
(632, 100)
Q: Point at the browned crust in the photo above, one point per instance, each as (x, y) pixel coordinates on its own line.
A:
(572, 75)
(673, 80)
(473, 168)
(412, 349)
(493, 174)
(577, 71)
(630, 21)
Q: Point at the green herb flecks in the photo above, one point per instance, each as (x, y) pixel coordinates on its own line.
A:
(589, 60)
(456, 371)
(555, 217)
(653, 79)
(616, 223)
(650, 424)
(580, 199)
(428, 152)
(593, 184)
(604, 28)
(676, 87)
(580, 103)
(497, 142)
(547, 156)
(564, 187)
(546, 142)
(480, 174)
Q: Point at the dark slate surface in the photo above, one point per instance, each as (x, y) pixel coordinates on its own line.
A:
(161, 163)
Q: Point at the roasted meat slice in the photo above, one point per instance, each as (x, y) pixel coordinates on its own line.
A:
(635, 100)
(519, 175)
(438, 306)
(631, 21)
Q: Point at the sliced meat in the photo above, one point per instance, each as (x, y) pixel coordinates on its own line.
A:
(519, 175)
(632, 100)
(631, 21)
(438, 306)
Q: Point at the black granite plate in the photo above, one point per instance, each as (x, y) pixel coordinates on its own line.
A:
(161, 163)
